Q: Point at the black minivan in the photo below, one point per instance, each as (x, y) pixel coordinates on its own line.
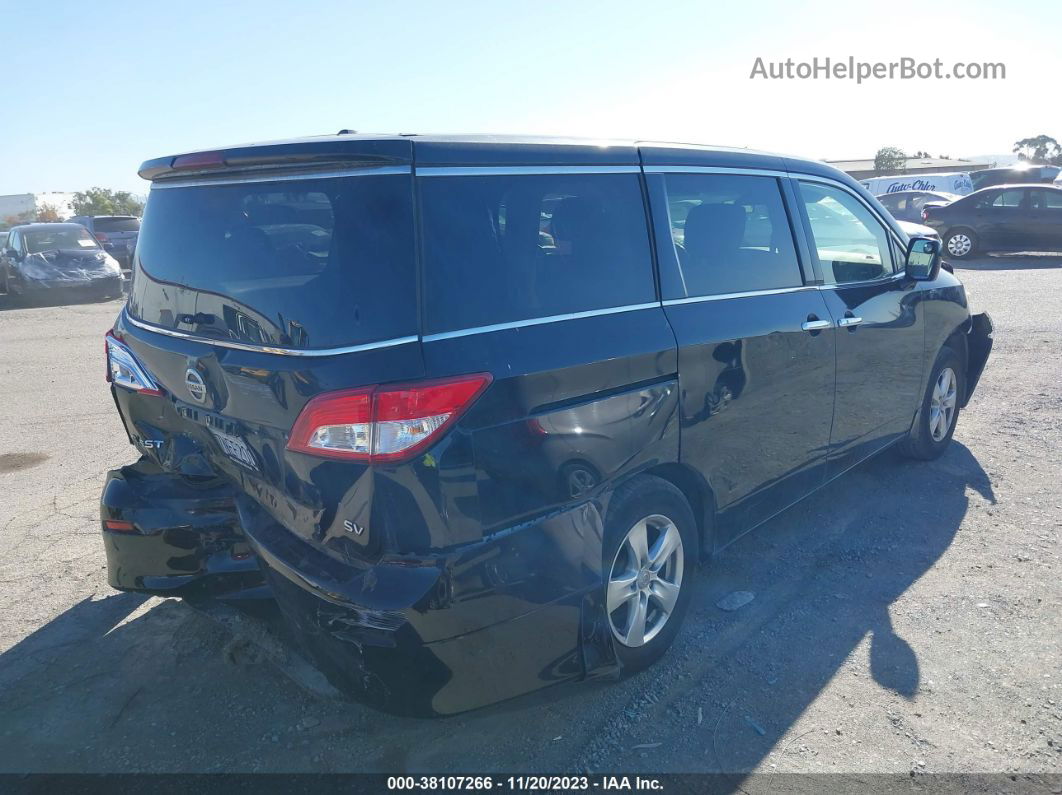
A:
(474, 409)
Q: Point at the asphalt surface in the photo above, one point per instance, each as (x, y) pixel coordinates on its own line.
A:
(906, 619)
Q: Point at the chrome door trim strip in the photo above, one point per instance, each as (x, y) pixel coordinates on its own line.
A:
(239, 179)
(737, 170)
(537, 321)
(275, 350)
(697, 299)
(893, 277)
(509, 171)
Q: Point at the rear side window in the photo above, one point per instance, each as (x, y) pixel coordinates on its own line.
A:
(722, 234)
(116, 224)
(499, 249)
(1009, 198)
(308, 263)
(1047, 199)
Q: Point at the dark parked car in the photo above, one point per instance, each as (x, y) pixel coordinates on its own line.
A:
(907, 205)
(54, 259)
(116, 233)
(475, 409)
(1026, 174)
(1007, 218)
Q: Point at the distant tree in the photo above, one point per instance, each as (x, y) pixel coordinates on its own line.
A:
(48, 213)
(890, 160)
(1039, 149)
(103, 201)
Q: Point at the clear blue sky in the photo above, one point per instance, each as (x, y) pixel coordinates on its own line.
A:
(93, 89)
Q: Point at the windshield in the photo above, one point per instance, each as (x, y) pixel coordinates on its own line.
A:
(307, 263)
(59, 237)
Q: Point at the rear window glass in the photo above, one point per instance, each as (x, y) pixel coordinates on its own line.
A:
(314, 263)
(116, 224)
(499, 249)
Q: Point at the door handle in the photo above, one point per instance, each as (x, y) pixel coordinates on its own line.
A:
(849, 322)
(814, 324)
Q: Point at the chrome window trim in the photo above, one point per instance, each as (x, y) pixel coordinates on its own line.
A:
(512, 171)
(696, 299)
(221, 179)
(538, 321)
(736, 170)
(898, 276)
(275, 350)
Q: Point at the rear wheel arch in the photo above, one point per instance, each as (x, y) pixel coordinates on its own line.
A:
(700, 497)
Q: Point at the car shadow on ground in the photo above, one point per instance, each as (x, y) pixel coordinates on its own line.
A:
(1009, 261)
(827, 576)
(134, 684)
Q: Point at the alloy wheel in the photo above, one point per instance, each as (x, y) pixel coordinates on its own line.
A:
(942, 404)
(645, 580)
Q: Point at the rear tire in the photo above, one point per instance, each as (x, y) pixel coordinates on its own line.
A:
(960, 243)
(649, 557)
(938, 415)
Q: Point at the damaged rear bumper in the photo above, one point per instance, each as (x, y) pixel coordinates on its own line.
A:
(166, 536)
(978, 347)
(446, 633)
(425, 635)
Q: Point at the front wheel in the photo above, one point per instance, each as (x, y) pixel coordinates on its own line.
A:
(649, 559)
(935, 424)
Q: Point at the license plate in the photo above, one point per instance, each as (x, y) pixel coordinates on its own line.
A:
(236, 449)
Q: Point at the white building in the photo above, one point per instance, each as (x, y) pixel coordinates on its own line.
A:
(14, 205)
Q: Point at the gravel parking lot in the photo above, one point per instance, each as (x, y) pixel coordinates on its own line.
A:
(908, 618)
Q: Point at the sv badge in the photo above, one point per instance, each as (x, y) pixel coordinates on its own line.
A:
(351, 527)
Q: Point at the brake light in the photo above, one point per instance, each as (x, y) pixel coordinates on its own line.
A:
(124, 370)
(102, 238)
(198, 160)
(383, 423)
(925, 214)
(119, 526)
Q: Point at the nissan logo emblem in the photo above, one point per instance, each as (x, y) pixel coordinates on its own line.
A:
(195, 385)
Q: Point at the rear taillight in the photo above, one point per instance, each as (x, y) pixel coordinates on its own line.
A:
(102, 238)
(124, 370)
(925, 214)
(383, 423)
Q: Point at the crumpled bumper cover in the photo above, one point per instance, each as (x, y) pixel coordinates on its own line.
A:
(446, 633)
(979, 347)
(184, 540)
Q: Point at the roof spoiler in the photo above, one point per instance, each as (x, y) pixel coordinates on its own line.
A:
(306, 154)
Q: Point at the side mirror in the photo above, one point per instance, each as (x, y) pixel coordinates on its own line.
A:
(923, 259)
(10, 252)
